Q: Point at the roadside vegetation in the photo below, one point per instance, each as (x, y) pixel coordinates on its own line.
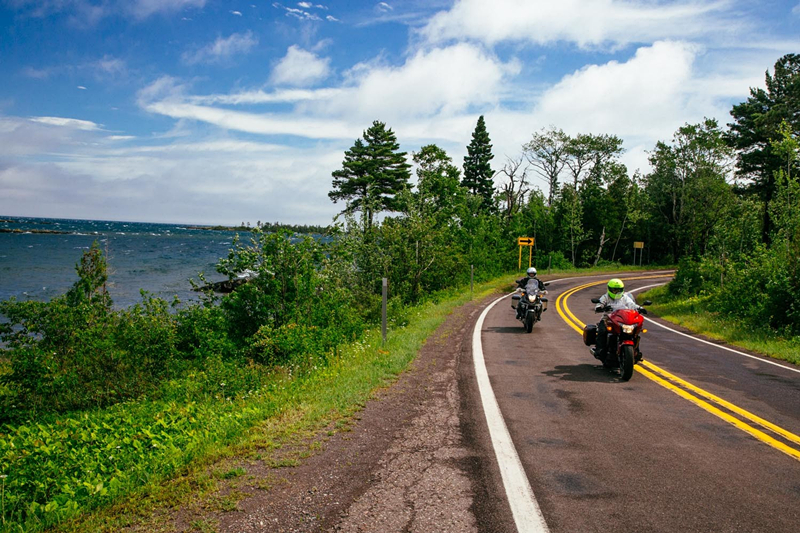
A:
(98, 405)
(699, 314)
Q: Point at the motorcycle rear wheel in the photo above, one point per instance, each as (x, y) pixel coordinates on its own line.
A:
(626, 363)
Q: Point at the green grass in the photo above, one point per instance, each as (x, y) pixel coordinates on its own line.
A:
(694, 314)
(162, 452)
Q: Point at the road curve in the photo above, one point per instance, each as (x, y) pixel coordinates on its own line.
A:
(700, 439)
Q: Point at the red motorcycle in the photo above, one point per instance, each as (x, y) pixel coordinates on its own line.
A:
(624, 326)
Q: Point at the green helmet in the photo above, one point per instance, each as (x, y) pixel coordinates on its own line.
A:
(615, 289)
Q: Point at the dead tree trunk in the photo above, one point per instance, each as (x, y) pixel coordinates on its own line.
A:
(603, 240)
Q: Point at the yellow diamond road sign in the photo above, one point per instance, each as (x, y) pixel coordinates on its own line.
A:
(525, 241)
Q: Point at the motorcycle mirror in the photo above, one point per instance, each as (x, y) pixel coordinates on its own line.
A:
(595, 300)
(647, 302)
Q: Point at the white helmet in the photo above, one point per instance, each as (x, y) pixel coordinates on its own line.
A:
(531, 272)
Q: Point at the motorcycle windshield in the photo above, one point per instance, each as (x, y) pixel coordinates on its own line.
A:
(532, 287)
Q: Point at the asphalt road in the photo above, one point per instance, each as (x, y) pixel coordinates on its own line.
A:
(700, 439)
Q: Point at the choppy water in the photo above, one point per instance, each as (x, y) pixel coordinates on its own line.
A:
(160, 258)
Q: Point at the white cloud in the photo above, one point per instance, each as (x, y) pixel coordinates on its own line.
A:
(441, 81)
(296, 13)
(796, 10)
(67, 123)
(237, 13)
(111, 65)
(145, 8)
(37, 73)
(281, 96)
(36, 136)
(635, 96)
(300, 68)
(222, 49)
(384, 7)
(588, 23)
(187, 182)
(263, 124)
(164, 88)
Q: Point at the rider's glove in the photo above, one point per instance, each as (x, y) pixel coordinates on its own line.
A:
(642, 310)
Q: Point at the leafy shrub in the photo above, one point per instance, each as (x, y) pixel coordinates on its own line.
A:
(74, 352)
(202, 331)
(557, 261)
(762, 290)
(286, 344)
(284, 279)
(604, 263)
(695, 277)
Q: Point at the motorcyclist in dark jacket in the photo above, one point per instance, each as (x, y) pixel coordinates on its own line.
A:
(531, 275)
(532, 282)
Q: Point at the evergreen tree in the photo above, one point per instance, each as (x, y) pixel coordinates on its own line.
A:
(756, 124)
(372, 173)
(478, 172)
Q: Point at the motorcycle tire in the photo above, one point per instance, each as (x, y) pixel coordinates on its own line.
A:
(626, 361)
(529, 322)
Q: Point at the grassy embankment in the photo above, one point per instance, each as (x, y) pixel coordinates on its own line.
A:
(116, 461)
(107, 469)
(695, 315)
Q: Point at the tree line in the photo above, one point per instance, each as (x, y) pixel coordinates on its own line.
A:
(720, 201)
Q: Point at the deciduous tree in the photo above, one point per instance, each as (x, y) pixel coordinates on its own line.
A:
(547, 153)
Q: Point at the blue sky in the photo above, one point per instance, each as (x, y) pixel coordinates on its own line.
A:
(204, 111)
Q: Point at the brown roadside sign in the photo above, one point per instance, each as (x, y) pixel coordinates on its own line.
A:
(638, 244)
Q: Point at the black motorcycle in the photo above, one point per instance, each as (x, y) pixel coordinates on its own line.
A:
(529, 304)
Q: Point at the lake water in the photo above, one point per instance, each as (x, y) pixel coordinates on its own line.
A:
(160, 258)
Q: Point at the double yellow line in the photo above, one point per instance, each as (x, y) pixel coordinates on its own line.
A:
(694, 394)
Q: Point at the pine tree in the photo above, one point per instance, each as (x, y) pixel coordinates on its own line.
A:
(478, 172)
(756, 124)
(372, 173)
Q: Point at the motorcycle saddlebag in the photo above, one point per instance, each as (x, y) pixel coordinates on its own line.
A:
(590, 334)
(515, 300)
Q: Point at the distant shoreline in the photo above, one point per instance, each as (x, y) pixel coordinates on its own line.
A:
(307, 229)
(17, 230)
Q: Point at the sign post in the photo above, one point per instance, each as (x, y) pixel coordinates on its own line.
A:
(384, 294)
(525, 241)
(471, 278)
(640, 246)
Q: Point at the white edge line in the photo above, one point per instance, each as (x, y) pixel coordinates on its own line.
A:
(527, 515)
(711, 343)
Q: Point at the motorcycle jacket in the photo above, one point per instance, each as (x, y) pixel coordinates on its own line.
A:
(535, 283)
(626, 301)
